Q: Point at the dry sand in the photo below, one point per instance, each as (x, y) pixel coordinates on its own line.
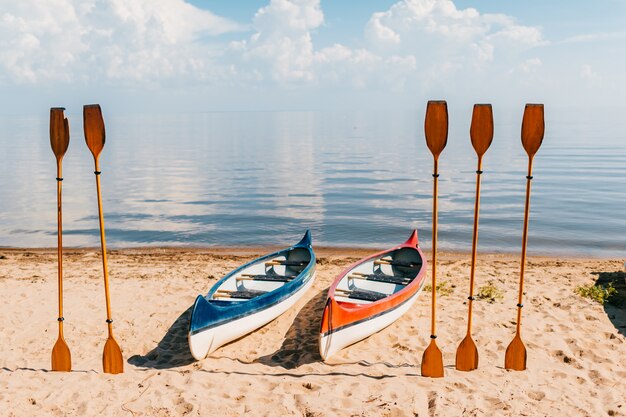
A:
(576, 348)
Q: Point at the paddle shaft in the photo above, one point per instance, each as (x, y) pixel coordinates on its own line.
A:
(103, 245)
(60, 243)
(474, 244)
(436, 133)
(529, 178)
(433, 333)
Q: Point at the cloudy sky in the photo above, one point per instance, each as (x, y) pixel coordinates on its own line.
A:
(200, 55)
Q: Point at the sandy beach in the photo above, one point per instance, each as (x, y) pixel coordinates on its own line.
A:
(576, 347)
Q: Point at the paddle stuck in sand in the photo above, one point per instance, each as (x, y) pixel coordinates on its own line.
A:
(436, 132)
(60, 140)
(533, 127)
(93, 125)
(481, 133)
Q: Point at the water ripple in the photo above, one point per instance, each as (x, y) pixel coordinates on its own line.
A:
(353, 178)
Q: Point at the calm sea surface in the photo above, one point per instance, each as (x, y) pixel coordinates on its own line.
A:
(354, 179)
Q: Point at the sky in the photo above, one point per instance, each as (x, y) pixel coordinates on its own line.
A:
(252, 55)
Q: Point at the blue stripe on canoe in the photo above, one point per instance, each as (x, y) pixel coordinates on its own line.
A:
(207, 314)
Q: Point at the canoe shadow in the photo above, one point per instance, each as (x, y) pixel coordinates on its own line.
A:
(300, 346)
(173, 349)
(616, 307)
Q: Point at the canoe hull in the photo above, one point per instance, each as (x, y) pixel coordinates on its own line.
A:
(208, 341)
(217, 318)
(394, 278)
(332, 342)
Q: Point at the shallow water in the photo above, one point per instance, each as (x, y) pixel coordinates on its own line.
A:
(354, 179)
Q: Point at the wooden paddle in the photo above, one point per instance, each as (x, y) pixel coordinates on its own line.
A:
(436, 132)
(60, 140)
(93, 125)
(481, 133)
(533, 127)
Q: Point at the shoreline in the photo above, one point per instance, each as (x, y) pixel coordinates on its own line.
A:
(240, 250)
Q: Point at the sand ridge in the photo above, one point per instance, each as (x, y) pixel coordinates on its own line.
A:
(576, 348)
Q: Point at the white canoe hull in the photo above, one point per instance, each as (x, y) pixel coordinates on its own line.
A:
(208, 341)
(332, 343)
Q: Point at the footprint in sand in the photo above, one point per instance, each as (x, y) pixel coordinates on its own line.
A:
(183, 407)
(311, 387)
(401, 347)
(567, 359)
(564, 329)
(460, 385)
(596, 378)
(536, 395)
(495, 403)
(432, 402)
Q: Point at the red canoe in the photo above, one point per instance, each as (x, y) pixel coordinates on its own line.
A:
(371, 294)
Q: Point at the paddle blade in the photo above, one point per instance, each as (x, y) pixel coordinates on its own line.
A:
(61, 356)
(515, 357)
(112, 361)
(436, 126)
(432, 361)
(533, 127)
(93, 125)
(59, 132)
(481, 129)
(467, 355)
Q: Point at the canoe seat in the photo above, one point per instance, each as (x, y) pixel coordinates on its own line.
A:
(397, 263)
(243, 294)
(366, 295)
(294, 263)
(383, 278)
(269, 277)
(287, 263)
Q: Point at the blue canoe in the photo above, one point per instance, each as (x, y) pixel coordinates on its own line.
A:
(250, 297)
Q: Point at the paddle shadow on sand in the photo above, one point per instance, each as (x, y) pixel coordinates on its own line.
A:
(301, 341)
(616, 307)
(172, 351)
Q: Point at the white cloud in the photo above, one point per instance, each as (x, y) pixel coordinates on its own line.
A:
(380, 32)
(77, 40)
(421, 45)
(588, 74)
(531, 65)
(414, 46)
(595, 37)
(435, 17)
(283, 16)
(437, 28)
(407, 45)
(282, 45)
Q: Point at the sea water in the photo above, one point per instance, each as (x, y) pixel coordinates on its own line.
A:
(354, 178)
